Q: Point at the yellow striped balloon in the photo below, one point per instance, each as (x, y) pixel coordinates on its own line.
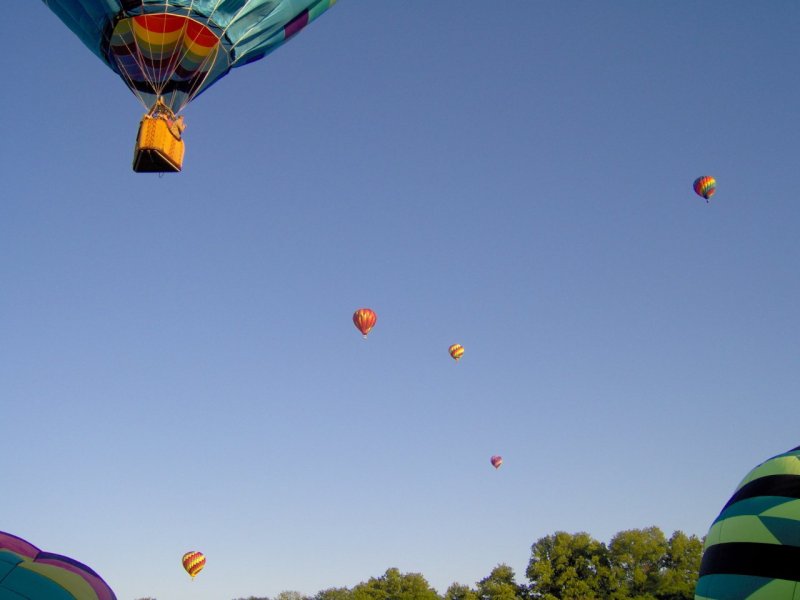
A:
(194, 562)
(456, 351)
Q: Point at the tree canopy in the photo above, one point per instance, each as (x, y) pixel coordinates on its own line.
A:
(637, 564)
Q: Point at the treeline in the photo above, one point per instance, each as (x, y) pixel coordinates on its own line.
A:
(638, 564)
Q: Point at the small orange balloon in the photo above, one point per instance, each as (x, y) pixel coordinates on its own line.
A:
(456, 351)
(194, 562)
(364, 320)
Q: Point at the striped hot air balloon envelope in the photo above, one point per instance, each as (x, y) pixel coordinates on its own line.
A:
(456, 351)
(193, 562)
(27, 572)
(174, 50)
(705, 186)
(752, 551)
(364, 319)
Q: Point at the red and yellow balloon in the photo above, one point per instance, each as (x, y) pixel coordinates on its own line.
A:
(364, 319)
(194, 562)
(456, 351)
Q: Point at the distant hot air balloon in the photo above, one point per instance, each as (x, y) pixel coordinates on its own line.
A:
(456, 351)
(496, 461)
(27, 572)
(364, 320)
(705, 186)
(752, 548)
(194, 562)
(169, 51)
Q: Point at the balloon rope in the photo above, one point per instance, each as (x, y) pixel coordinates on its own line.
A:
(128, 79)
(177, 57)
(213, 55)
(159, 81)
(212, 58)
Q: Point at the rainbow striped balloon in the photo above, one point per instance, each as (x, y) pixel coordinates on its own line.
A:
(705, 186)
(456, 351)
(194, 562)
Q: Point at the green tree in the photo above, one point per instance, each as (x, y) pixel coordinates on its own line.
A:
(393, 585)
(291, 595)
(637, 560)
(458, 591)
(681, 567)
(566, 566)
(500, 585)
(334, 594)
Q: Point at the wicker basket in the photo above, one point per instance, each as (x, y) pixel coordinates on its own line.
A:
(158, 150)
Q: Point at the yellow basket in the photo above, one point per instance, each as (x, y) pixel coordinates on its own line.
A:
(158, 150)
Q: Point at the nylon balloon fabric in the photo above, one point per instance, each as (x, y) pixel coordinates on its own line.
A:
(364, 319)
(176, 49)
(27, 572)
(705, 186)
(456, 351)
(752, 551)
(193, 562)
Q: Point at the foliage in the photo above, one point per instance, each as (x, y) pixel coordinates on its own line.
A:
(681, 566)
(500, 585)
(568, 566)
(459, 591)
(637, 564)
(333, 594)
(395, 586)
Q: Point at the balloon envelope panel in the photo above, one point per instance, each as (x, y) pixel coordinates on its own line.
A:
(752, 551)
(27, 572)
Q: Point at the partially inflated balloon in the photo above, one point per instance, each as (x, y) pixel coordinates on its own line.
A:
(496, 461)
(194, 562)
(27, 572)
(705, 186)
(456, 351)
(364, 319)
(752, 550)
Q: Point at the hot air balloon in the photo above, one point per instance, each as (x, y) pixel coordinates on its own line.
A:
(169, 51)
(705, 186)
(27, 572)
(364, 320)
(752, 550)
(193, 562)
(496, 461)
(456, 351)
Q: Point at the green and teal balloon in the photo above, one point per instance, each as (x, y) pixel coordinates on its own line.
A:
(752, 551)
(176, 49)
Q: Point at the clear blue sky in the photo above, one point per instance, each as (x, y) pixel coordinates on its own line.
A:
(178, 368)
